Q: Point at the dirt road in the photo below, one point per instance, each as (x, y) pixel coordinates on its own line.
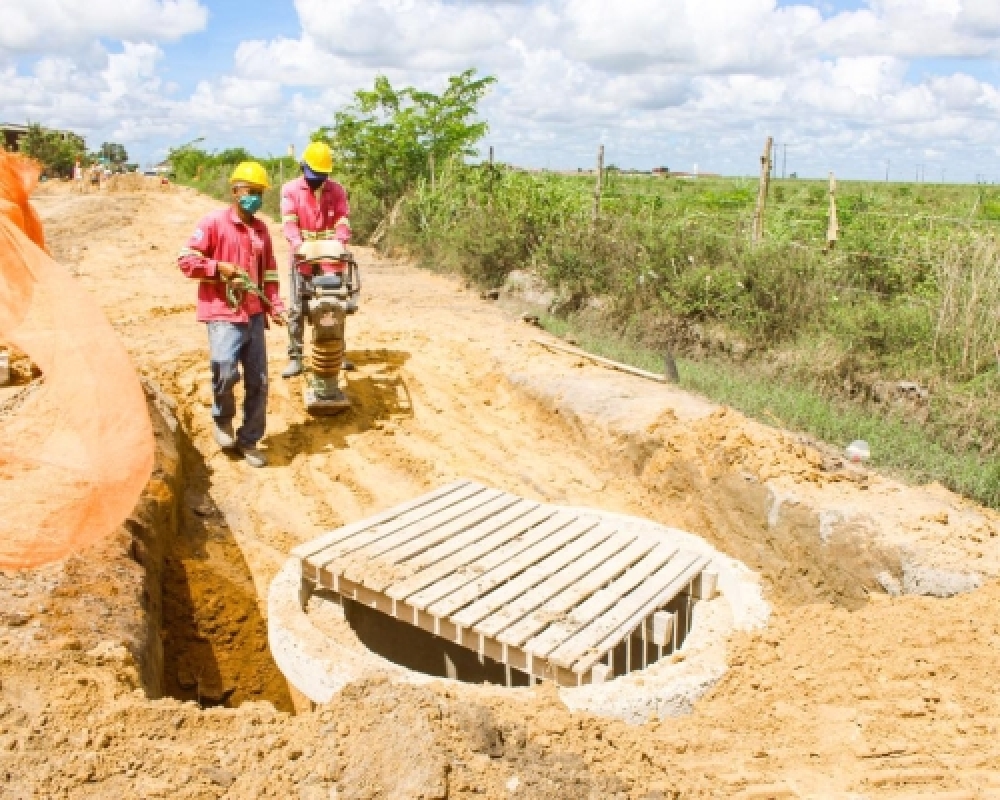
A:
(892, 698)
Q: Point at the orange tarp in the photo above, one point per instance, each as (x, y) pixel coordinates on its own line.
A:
(76, 455)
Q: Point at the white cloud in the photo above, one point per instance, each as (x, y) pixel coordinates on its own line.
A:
(58, 26)
(656, 80)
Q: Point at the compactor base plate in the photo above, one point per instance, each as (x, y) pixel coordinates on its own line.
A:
(325, 406)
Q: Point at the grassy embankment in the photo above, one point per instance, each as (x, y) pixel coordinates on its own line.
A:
(786, 330)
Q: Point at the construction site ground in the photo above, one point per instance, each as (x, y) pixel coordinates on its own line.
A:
(848, 692)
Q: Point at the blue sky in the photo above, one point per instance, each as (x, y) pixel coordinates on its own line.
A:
(847, 85)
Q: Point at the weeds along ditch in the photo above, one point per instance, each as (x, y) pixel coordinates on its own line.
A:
(838, 342)
(827, 341)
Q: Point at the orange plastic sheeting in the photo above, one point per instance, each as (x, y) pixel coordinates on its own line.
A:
(75, 457)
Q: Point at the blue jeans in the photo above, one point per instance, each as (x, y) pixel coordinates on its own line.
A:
(232, 344)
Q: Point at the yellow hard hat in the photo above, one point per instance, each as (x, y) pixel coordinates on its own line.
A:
(318, 157)
(250, 172)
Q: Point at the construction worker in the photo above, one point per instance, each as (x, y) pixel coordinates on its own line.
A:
(231, 256)
(312, 207)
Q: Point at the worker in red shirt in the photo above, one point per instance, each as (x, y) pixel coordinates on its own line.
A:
(312, 207)
(231, 256)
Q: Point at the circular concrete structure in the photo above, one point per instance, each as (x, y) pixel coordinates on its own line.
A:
(319, 653)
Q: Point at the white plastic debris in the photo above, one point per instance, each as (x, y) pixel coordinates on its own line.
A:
(858, 451)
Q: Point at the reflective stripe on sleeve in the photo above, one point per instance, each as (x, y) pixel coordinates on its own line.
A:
(343, 221)
(329, 233)
(188, 251)
(272, 275)
(289, 217)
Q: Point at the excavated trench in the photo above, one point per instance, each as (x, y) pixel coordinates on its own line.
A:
(214, 637)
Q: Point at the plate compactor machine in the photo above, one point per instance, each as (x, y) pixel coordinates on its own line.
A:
(333, 283)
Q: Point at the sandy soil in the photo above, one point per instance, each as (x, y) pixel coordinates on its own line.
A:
(842, 696)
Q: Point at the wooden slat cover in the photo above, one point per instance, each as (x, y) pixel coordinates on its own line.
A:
(643, 593)
(531, 600)
(443, 560)
(313, 546)
(660, 592)
(371, 535)
(471, 571)
(599, 602)
(567, 599)
(457, 517)
(507, 592)
(551, 589)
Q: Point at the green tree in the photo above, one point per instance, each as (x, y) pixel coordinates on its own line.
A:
(114, 153)
(56, 151)
(388, 138)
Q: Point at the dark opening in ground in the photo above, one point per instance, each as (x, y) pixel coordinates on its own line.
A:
(416, 649)
(215, 647)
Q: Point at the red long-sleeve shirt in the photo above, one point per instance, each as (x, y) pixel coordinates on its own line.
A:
(222, 236)
(303, 217)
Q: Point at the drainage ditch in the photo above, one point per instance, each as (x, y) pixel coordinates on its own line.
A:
(214, 636)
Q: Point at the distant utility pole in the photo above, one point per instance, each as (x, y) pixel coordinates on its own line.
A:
(888, 163)
(833, 227)
(784, 160)
(599, 183)
(491, 156)
(765, 182)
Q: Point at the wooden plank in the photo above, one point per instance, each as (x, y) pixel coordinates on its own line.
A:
(359, 562)
(474, 569)
(390, 569)
(413, 548)
(441, 561)
(313, 546)
(556, 582)
(599, 602)
(666, 593)
(371, 535)
(455, 545)
(586, 648)
(531, 577)
(560, 605)
(503, 569)
(604, 362)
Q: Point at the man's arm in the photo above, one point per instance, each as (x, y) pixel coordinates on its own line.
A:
(290, 221)
(272, 285)
(341, 214)
(195, 259)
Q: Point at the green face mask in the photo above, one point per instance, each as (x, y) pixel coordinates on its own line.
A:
(251, 203)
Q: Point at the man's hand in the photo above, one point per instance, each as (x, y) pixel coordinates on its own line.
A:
(281, 318)
(227, 270)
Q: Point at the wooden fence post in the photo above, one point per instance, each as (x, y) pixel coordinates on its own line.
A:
(765, 183)
(599, 184)
(833, 229)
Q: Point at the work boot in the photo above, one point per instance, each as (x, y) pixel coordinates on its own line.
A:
(224, 436)
(253, 456)
(294, 368)
(348, 366)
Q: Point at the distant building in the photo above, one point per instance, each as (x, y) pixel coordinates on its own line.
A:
(11, 135)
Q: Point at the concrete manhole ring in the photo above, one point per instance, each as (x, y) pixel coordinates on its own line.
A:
(319, 653)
